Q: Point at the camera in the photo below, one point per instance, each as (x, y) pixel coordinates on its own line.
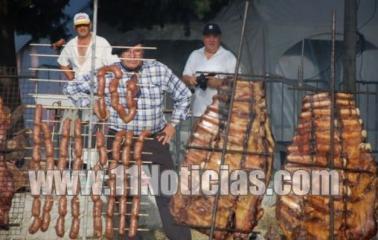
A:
(202, 81)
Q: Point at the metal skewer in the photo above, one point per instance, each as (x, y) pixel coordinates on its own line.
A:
(236, 72)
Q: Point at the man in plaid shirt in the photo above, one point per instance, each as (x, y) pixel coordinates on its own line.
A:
(154, 78)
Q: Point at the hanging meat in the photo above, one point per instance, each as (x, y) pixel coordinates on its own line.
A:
(131, 92)
(135, 209)
(96, 198)
(77, 165)
(62, 164)
(7, 187)
(35, 165)
(50, 165)
(309, 216)
(250, 147)
(126, 155)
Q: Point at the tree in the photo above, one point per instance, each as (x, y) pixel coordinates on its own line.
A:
(39, 18)
(130, 14)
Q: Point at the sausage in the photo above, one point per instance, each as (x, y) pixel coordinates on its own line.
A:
(59, 227)
(77, 165)
(134, 216)
(139, 146)
(46, 217)
(100, 105)
(136, 199)
(109, 232)
(123, 201)
(111, 202)
(116, 147)
(110, 210)
(50, 164)
(122, 215)
(36, 165)
(97, 226)
(75, 207)
(75, 228)
(97, 202)
(63, 147)
(34, 227)
(36, 207)
(131, 92)
(78, 141)
(97, 222)
(63, 155)
(75, 211)
(100, 142)
(62, 209)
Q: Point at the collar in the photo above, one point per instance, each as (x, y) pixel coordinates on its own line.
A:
(136, 70)
(220, 49)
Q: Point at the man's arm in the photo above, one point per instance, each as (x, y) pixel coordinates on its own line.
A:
(70, 75)
(181, 96)
(64, 63)
(78, 91)
(188, 76)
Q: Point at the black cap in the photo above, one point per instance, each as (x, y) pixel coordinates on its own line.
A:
(131, 40)
(212, 28)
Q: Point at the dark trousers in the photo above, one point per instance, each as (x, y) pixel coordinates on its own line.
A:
(162, 156)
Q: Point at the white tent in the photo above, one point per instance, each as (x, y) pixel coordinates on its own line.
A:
(274, 33)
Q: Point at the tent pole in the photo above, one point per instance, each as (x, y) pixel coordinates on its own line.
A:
(349, 45)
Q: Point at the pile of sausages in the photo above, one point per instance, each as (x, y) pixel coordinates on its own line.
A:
(123, 140)
(42, 221)
(131, 92)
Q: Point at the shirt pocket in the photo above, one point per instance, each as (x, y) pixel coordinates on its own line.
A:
(150, 96)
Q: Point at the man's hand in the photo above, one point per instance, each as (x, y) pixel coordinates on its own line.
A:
(190, 81)
(167, 134)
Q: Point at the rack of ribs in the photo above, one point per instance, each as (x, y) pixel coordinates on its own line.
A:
(250, 147)
(308, 216)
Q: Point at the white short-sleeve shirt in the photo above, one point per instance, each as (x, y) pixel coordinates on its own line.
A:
(222, 61)
(70, 56)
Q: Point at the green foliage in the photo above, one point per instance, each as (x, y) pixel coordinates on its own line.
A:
(39, 18)
(126, 15)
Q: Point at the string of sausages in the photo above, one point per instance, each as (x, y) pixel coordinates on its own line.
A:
(97, 202)
(112, 183)
(77, 165)
(126, 154)
(35, 165)
(62, 163)
(135, 209)
(50, 165)
(131, 92)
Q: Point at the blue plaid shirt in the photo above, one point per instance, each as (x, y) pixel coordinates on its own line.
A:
(154, 78)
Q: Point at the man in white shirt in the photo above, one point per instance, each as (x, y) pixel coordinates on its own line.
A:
(77, 54)
(76, 58)
(210, 58)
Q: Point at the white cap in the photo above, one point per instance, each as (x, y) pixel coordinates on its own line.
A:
(81, 18)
